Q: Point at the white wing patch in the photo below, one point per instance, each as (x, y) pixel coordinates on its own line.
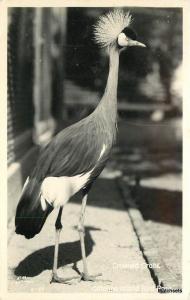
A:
(58, 190)
(25, 184)
(43, 202)
(102, 151)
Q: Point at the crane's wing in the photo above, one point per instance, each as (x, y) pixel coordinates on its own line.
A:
(75, 150)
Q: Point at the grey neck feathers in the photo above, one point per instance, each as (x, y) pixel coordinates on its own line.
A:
(110, 94)
(108, 103)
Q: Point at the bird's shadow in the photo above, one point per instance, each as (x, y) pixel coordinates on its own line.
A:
(42, 259)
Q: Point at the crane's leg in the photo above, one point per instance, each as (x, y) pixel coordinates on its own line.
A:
(58, 228)
(85, 275)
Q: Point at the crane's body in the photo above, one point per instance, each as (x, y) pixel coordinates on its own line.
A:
(71, 161)
(76, 156)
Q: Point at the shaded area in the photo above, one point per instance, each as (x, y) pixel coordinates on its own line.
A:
(20, 110)
(146, 164)
(42, 259)
(103, 199)
(160, 205)
(143, 136)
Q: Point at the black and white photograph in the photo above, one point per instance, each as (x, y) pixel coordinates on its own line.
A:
(95, 149)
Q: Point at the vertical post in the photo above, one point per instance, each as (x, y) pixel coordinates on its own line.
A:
(44, 123)
(48, 70)
(37, 70)
(58, 54)
(46, 67)
(63, 23)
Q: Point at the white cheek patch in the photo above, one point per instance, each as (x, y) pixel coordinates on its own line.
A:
(122, 40)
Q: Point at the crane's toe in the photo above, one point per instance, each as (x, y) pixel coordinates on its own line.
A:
(87, 277)
(67, 280)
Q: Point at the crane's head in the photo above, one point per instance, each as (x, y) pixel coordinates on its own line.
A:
(114, 28)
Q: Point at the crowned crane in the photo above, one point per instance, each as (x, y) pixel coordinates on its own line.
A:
(76, 156)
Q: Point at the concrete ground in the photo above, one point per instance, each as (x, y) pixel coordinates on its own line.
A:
(111, 244)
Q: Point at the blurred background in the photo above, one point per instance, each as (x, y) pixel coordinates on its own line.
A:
(56, 76)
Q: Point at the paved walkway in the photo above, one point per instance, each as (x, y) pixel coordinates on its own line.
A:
(111, 244)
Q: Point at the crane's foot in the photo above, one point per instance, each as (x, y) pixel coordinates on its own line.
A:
(87, 277)
(93, 278)
(66, 280)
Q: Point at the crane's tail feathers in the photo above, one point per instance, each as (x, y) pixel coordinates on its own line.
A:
(109, 26)
(31, 214)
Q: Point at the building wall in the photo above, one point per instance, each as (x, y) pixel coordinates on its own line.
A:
(36, 39)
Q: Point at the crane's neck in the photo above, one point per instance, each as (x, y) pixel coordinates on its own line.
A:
(112, 81)
(108, 103)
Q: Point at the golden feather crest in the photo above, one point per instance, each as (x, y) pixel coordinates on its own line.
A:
(109, 26)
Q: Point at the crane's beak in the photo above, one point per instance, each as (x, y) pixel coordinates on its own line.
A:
(125, 41)
(136, 43)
